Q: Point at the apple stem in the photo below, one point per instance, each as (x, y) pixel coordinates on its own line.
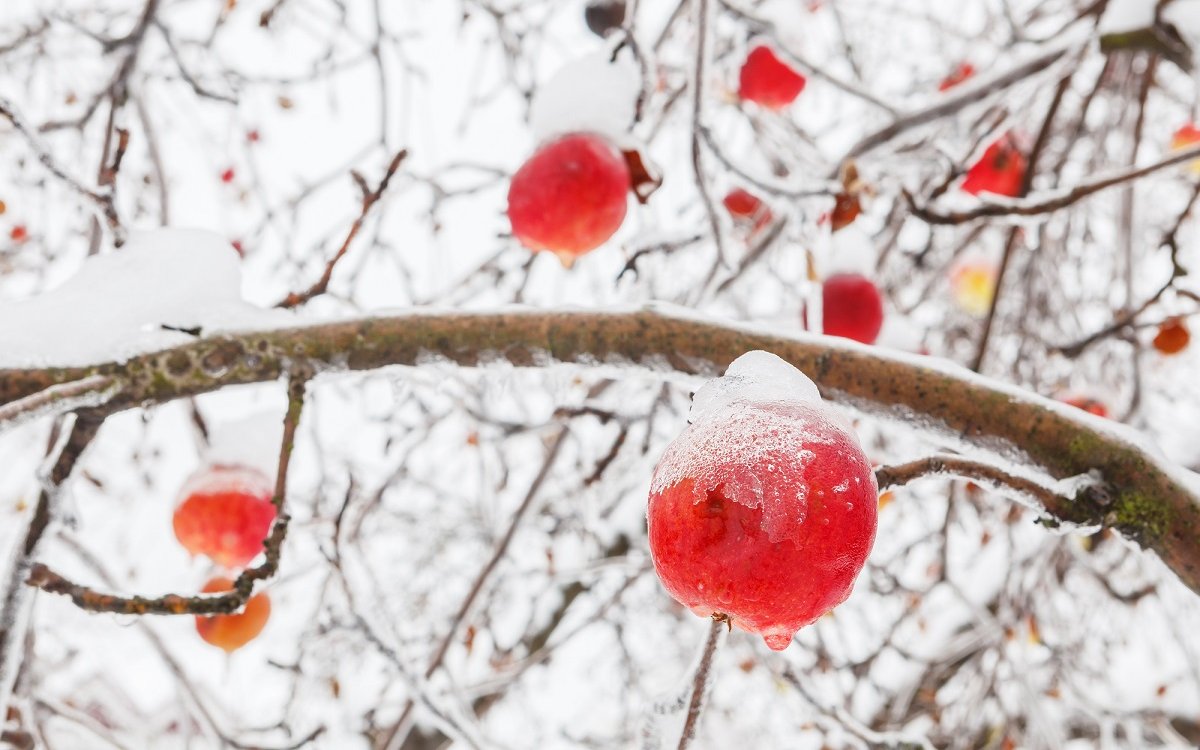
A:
(719, 625)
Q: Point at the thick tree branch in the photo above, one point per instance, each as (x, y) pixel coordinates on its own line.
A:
(1146, 498)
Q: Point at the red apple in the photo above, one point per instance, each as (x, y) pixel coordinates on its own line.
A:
(570, 196)
(1173, 336)
(231, 632)
(961, 72)
(1188, 135)
(1087, 403)
(764, 511)
(852, 307)
(1000, 170)
(19, 233)
(227, 175)
(768, 81)
(225, 514)
(747, 208)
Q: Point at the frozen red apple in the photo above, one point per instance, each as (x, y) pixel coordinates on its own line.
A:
(764, 509)
(768, 81)
(225, 514)
(852, 307)
(1001, 170)
(231, 632)
(1172, 336)
(570, 196)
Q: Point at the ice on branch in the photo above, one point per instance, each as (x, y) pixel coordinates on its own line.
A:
(161, 289)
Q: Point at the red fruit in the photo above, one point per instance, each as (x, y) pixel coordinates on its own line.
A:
(747, 207)
(1172, 337)
(764, 511)
(570, 196)
(1000, 170)
(1088, 404)
(768, 81)
(253, 136)
(19, 233)
(225, 514)
(962, 72)
(852, 307)
(231, 632)
(227, 175)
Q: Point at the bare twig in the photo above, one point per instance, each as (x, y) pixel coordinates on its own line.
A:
(369, 199)
(718, 626)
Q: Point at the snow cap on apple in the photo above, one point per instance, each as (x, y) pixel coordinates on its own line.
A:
(764, 508)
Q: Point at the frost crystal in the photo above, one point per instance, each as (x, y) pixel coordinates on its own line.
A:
(752, 432)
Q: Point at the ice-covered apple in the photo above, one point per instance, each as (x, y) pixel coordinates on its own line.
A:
(231, 632)
(1000, 170)
(570, 196)
(852, 307)
(764, 508)
(225, 514)
(768, 81)
(1172, 336)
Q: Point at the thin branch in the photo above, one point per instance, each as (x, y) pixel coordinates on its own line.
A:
(14, 614)
(90, 391)
(951, 465)
(369, 199)
(485, 574)
(1048, 201)
(718, 626)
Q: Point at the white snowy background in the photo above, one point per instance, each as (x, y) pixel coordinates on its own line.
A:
(996, 630)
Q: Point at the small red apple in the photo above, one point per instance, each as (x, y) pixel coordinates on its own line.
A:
(227, 175)
(570, 196)
(225, 514)
(1173, 336)
(768, 81)
(961, 72)
(1000, 170)
(1087, 403)
(852, 307)
(231, 632)
(1188, 135)
(18, 233)
(747, 208)
(764, 511)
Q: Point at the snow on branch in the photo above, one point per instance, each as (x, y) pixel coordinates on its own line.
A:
(1141, 494)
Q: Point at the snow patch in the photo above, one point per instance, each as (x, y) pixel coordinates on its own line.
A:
(121, 304)
(594, 94)
(1127, 15)
(755, 376)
